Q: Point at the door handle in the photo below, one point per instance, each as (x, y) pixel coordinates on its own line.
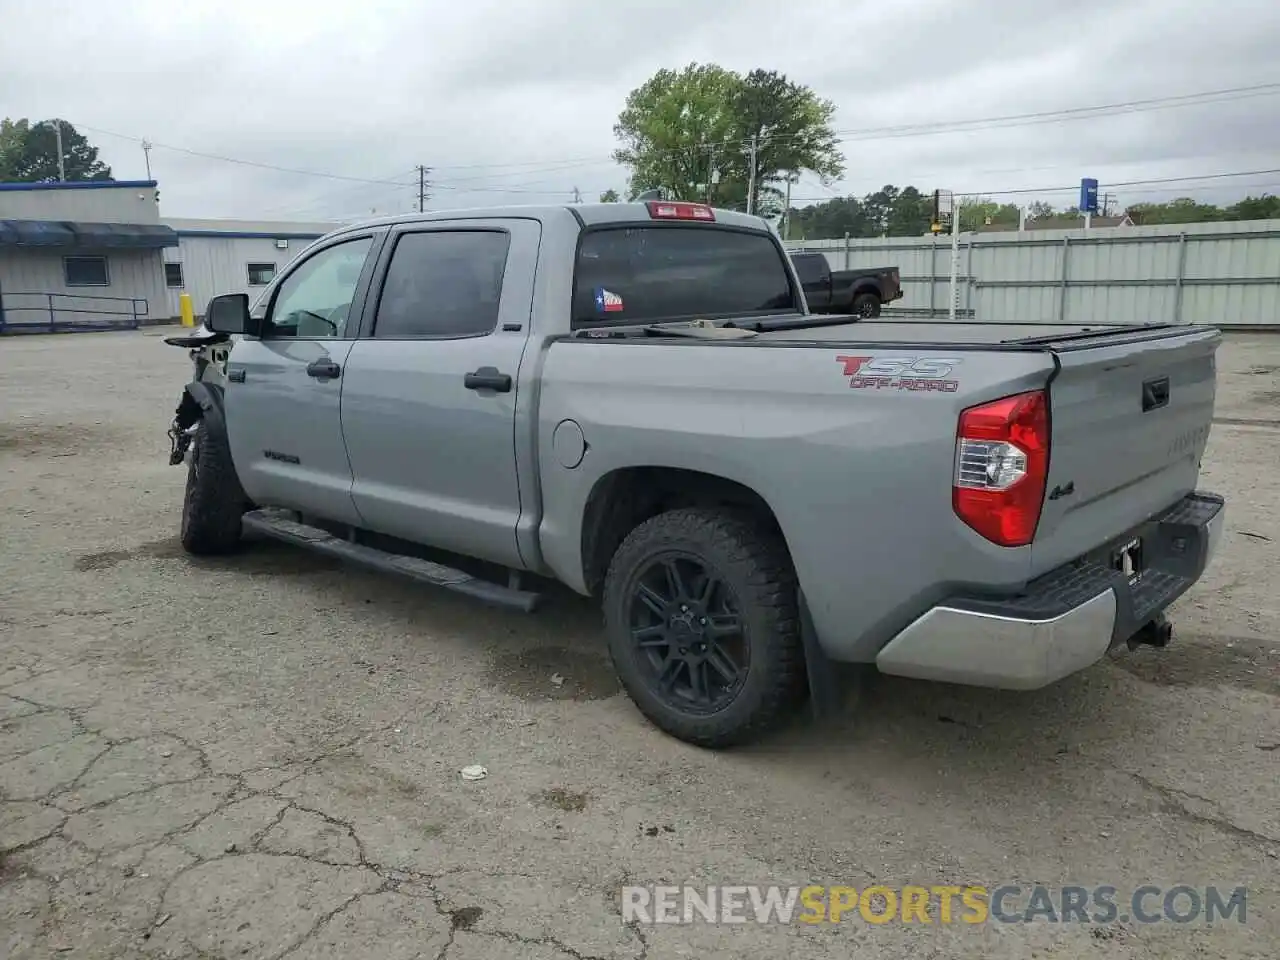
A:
(488, 378)
(323, 369)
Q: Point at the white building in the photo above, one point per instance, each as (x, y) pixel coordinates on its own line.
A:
(81, 254)
(98, 255)
(230, 256)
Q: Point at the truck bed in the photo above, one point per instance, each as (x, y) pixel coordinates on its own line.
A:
(933, 332)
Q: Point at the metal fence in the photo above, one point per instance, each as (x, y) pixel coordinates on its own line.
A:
(1226, 274)
(24, 312)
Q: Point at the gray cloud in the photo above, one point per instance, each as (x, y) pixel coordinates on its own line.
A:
(514, 102)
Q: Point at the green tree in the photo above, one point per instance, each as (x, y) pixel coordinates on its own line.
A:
(910, 214)
(831, 219)
(984, 212)
(1265, 207)
(689, 132)
(790, 127)
(905, 212)
(1181, 210)
(675, 128)
(29, 153)
(610, 196)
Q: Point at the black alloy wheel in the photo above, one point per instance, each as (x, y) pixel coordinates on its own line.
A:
(688, 634)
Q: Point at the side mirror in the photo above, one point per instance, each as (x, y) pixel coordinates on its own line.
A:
(229, 314)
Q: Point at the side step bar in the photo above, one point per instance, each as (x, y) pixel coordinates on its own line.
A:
(281, 526)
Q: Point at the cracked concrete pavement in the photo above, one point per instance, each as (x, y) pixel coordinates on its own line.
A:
(259, 756)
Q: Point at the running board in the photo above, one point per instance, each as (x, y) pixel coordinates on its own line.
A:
(280, 526)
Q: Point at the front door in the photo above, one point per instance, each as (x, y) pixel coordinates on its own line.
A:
(429, 402)
(283, 390)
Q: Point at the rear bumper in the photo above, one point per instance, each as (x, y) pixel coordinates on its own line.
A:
(1065, 620)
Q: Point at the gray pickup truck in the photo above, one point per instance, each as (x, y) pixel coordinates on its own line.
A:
(634, 400)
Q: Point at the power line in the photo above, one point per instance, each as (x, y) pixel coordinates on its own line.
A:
(1070, 113)
(397, 179)
(1200, 98)
(237, 160)
(1155, 181)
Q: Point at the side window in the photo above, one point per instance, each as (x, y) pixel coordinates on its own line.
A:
(811, 268)
(443, 284)
(315, 299)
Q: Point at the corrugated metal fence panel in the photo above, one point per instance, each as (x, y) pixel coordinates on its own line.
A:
(1224, 273)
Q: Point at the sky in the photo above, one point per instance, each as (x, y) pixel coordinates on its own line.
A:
(514, 102)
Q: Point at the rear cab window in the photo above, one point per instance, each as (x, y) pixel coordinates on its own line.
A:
(649, 273)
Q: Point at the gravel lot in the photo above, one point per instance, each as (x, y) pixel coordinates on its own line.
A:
(259, 757)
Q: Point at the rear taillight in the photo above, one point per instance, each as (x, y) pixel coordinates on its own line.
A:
(1002, 460)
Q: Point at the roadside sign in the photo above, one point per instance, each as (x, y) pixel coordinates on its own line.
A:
(1088, 195)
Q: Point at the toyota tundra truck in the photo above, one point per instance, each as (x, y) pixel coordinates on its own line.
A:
(633, 400)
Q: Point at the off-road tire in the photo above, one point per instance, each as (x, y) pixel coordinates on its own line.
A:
(754, 563)
(214, 501)
(866, 305)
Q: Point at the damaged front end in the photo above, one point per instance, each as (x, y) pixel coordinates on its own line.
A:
(208, 351)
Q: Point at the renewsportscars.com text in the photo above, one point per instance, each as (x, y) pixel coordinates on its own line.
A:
(942, 904)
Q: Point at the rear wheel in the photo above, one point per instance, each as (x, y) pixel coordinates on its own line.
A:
(866, 305)
(702, 625)
(213, 502)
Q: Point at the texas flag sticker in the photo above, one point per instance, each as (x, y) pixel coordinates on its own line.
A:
(607, 302)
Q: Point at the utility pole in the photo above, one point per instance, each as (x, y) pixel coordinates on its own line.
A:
(422, 188)
(955, 259)
(751, 176)
(146, 153)
(711, 170)
(62, 167)
(786, 211)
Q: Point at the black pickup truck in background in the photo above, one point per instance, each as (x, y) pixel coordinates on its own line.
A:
(857, 292)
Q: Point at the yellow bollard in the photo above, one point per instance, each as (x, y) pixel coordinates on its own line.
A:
(184, 307)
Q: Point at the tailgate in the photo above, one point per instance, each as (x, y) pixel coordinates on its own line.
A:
(1130, 415)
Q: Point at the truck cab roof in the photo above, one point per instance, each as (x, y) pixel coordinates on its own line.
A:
(587, 214)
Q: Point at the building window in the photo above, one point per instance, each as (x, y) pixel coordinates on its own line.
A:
(86, 271)
(260, 274)
(173, 275)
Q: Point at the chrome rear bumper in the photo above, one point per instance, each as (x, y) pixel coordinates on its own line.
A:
(1065, 620)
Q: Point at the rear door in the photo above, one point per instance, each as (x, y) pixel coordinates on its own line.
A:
(283, 391)
(1130, 414)
(429, 397)
(815, 278)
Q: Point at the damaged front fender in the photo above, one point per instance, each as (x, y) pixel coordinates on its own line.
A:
(201, 402)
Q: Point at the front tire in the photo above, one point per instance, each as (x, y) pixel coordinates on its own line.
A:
(213, 502)
(702, 624)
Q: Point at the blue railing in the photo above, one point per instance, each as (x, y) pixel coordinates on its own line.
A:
(23, 312)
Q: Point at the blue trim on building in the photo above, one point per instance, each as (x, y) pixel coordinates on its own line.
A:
(79, 185)
(249, 235)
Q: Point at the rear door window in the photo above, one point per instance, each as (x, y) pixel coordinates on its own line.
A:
(811, 268)
(443, 284)
(644, 274)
